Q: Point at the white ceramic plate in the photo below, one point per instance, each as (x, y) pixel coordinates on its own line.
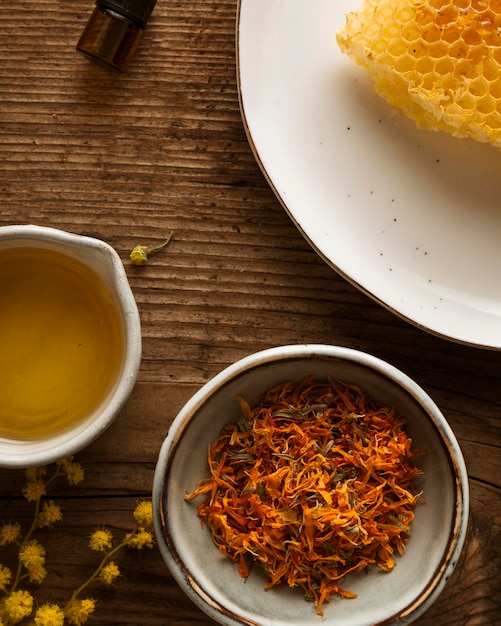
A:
(409, 216)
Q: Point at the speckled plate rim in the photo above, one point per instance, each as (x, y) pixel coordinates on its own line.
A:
(408, 216)
(194, 587)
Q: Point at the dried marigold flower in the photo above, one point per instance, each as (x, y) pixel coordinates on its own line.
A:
(322, 484)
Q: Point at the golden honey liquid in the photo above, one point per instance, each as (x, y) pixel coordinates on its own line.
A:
(61, 342)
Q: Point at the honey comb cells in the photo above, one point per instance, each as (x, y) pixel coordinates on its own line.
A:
(437, 60)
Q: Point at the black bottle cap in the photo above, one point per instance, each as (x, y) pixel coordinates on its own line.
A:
(137, 11)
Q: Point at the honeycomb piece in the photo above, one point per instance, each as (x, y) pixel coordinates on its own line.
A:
(437, 60)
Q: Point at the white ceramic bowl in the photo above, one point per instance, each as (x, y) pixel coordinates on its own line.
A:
(212, 581)
(105, 262)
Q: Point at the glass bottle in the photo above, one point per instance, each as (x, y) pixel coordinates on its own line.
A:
(114, 31)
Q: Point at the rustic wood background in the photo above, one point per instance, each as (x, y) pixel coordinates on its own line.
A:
(129, 158)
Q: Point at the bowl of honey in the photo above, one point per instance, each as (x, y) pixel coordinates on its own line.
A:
(70, 342)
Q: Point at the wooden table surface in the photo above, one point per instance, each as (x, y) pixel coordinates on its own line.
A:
(128, 158)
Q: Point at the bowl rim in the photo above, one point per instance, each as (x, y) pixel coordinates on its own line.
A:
(71, 244)
(214, 608)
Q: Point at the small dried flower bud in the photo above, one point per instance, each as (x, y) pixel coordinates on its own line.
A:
(49, 615)
(101, 540)
(109, 573)
(74, 472)
(50, 513)
(5, 577)
(140, 538)
(66, 459)
(78, 611)
(37, 574)
(9, 533)
(143, 513)
(34, 490)
(35, 473)
(17, 605)
(139, 255)
(31, 554)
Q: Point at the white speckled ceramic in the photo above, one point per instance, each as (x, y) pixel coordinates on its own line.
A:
(212, 581)
(101, 258)
(409, 216)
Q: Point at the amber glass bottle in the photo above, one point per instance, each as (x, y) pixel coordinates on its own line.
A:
(114, 31)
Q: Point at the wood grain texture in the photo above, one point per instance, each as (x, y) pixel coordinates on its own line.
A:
(129, 158)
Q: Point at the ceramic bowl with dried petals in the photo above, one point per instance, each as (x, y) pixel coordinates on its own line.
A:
(212, 580)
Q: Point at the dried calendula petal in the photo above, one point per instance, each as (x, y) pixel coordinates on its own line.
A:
(437, 60)
(315, 482)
